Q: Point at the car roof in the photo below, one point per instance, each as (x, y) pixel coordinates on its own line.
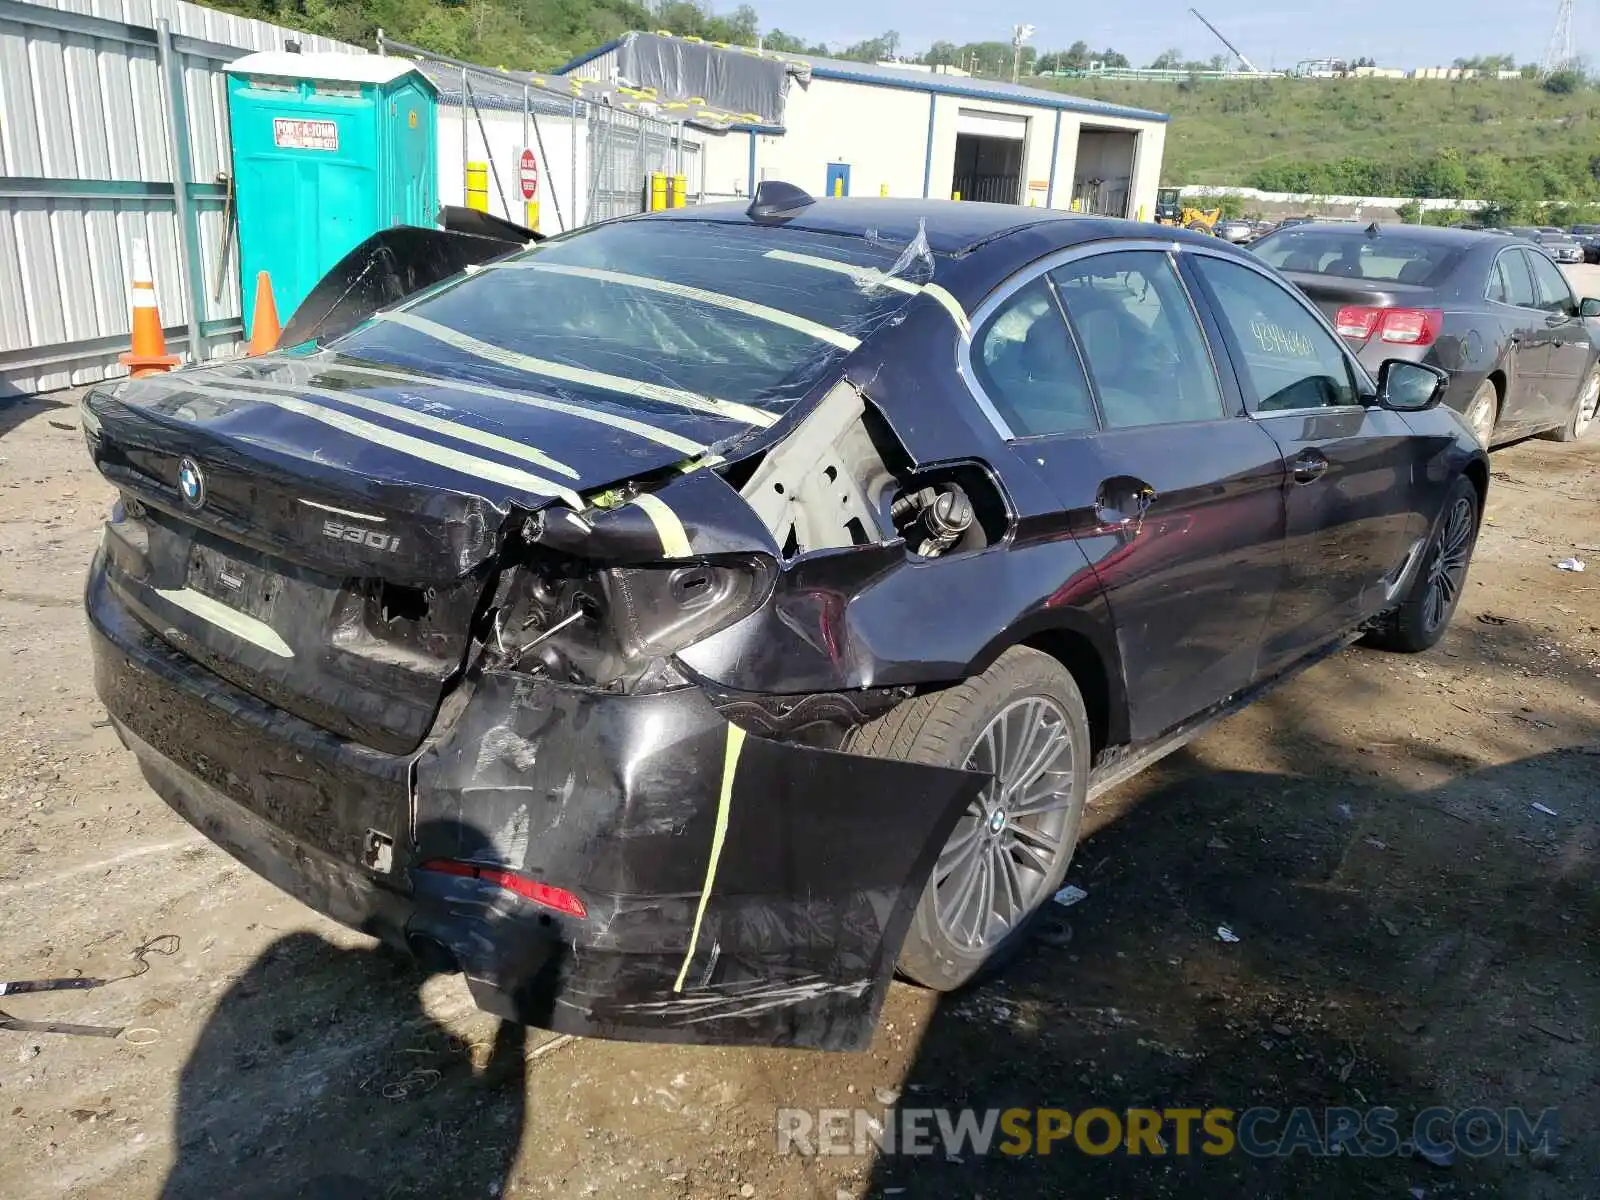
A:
(1440, 234)
(951, 226)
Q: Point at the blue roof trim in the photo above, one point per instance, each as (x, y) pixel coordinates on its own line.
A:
(590, 55)
(917, 81)
(976, 90)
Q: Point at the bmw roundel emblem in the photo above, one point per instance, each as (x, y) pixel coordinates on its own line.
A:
(191, 483)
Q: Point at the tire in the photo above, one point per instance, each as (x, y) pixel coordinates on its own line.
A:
(1198, 227)
(1023, 693)
(1483, 412)
(1585, 416)
(1430, 601)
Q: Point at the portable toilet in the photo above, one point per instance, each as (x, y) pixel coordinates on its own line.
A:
(327, 150)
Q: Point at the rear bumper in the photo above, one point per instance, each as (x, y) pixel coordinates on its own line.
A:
(738, 890)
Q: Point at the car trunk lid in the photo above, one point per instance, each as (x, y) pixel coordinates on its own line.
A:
(1330, 293)
(319, 531)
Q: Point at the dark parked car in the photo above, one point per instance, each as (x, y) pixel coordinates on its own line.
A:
(1496, 314)
(1588, 236)
(680, 624)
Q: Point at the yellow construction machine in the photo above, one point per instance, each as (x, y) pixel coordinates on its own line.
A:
(1170, 210)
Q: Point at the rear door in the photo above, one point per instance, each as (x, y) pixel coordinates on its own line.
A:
(1509, 291)
(1174, 495)
(1352, 506)
(1570, 348)
(1512, 292)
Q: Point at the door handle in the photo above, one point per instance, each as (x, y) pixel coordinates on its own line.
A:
(1309, 466)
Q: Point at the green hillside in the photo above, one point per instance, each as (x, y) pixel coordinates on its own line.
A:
(1516, 143)
(1511, 140)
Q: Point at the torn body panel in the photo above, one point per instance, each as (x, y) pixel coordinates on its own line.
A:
(752, 898)
(802, 900)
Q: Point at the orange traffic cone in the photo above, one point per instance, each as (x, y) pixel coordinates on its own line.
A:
(148, 354)
(266, 330)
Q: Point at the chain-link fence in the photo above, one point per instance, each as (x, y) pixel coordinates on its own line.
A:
(595, 161)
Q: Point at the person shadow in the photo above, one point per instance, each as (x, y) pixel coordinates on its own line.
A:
(320, 1075)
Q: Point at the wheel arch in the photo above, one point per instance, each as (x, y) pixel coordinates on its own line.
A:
(1087, 649)
(1477, 470)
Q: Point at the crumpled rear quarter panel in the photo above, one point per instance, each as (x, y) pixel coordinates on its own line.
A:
(806, 894)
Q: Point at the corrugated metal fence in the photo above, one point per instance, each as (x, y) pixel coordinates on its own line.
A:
(114, 127)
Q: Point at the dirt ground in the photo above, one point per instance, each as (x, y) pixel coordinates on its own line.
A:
(1412, 931)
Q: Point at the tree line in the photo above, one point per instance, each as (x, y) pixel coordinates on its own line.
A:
(1514, 188)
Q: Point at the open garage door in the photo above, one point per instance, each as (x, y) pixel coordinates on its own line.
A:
(1102, 177)
(989, 156)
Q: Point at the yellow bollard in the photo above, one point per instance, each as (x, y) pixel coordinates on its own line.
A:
(478, 186)
(955, 195)
(531, 215)
(680, 191)
(658, 191)
(1077, 205)
(1141, 212)
(883, 189)
(838, 187)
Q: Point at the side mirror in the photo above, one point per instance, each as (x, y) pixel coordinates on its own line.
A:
(1589, 307)
(1410, 386)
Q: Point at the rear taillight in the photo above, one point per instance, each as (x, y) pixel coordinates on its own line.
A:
(1403, 326)
(559, 899)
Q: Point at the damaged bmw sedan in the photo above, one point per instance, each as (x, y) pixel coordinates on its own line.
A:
(680, 625)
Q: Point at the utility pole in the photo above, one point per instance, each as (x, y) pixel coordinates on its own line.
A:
(1021, 33)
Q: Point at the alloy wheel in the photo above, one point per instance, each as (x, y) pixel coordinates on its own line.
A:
(1009, 843)
(1588, 405)
(1447, 566)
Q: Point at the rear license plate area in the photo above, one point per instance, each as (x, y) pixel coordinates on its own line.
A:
(242, 586)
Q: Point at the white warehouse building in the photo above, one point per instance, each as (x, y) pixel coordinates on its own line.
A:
(864, 129)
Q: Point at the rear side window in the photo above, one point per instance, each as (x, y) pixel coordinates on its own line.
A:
(639, 312)
(1028, 367)
(1139, 334)
(1515, 285)
(1290, 361)
(1353, 254)
(1550, 286)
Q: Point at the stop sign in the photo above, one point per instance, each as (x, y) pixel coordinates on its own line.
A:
(528, 176)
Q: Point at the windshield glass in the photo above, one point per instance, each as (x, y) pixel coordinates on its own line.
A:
(656, 314)
(1354, 254)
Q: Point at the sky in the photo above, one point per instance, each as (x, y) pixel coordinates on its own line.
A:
(1395, 34)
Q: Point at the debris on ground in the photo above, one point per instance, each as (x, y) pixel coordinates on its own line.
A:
(1570, 564)
(1224, 934)
(1551, 1029)
(1439, 1156)
(1070, 895)
(1545, 809)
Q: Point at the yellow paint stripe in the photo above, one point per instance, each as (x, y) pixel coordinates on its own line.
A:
(762, 312)
(661, 437)
(410, 416)
(401, 443)
(215, 612)
(674, 539)
(864, 275)
(951, 306)
(581, 375)
(730, 765)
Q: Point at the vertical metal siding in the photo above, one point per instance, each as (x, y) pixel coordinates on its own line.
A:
(74, 108)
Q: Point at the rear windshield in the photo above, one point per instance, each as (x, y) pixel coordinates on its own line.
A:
(637, 312)
(1354, 254)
